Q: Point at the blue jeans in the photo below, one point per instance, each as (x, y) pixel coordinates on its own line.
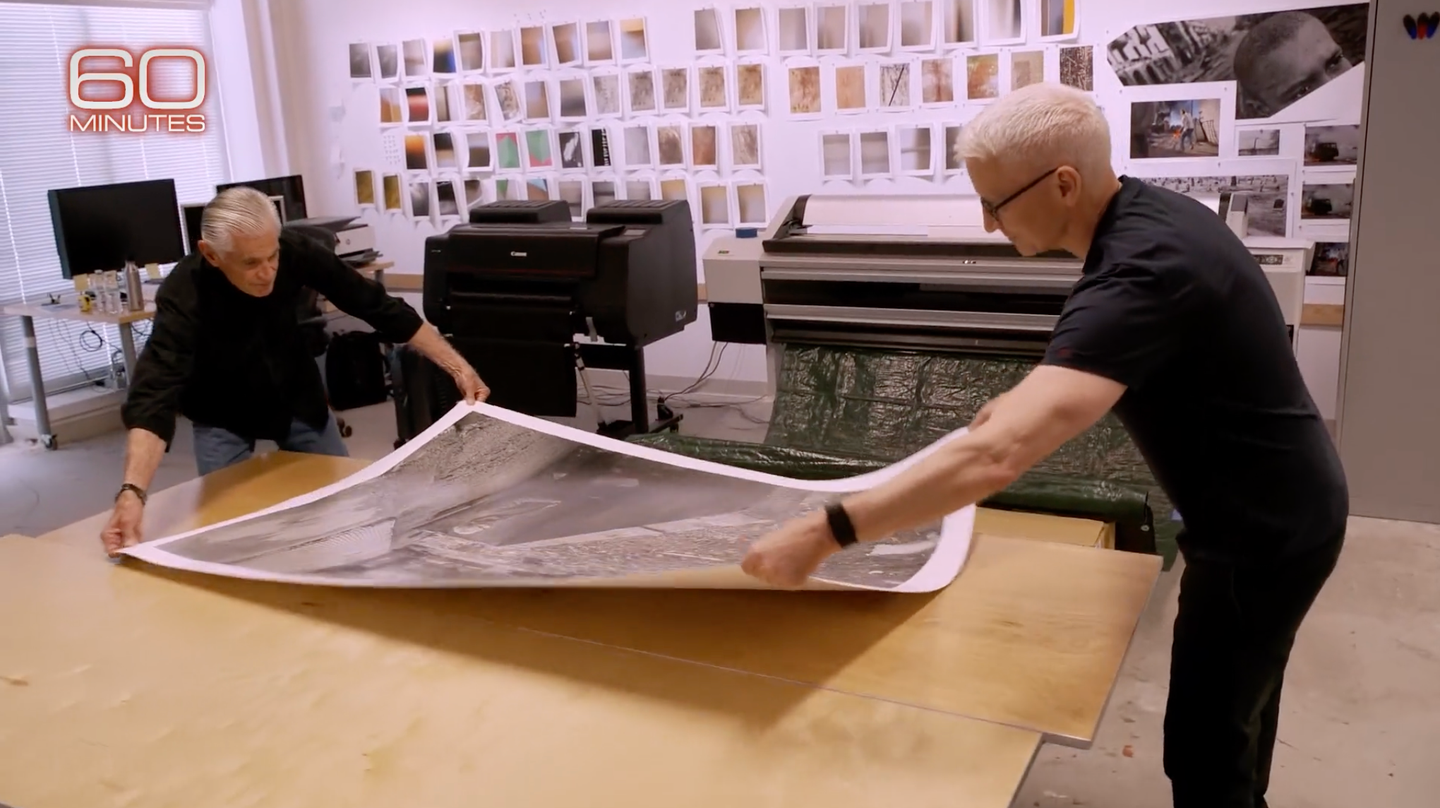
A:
(216, 448)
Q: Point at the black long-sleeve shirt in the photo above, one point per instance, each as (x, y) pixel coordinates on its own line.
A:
(230, 360)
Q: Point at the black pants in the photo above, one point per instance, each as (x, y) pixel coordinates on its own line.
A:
(1232, 641)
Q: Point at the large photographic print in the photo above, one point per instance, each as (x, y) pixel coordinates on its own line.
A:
(1266, 197)
(1275, 58)
(489, 498)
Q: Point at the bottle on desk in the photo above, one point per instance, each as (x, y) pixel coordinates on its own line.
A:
(134, 287)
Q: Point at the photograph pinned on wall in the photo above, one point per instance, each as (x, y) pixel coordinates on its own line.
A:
(917, 24)
(709, 37)
(670, 145)
(507, 99)
(1275, 58)
(417, 152)
(641, 97)
(387, 59)
(982, 77)
(1267, 197)
(571, 147)
(872, 24)
(365, 188)
(1332, 145)
(604, 191)
(361, 68)
(391, 106)
(1257, 142)
(832, 28)
(508, 189)
(875, 157)
(675, 89)
(896, 86)
(750, 86)
(539, 149)
(417, 58)
(472, 50)
(634, 40)
(443, 94)
(537, 100)
(472, 95)
(573, 101)
(752, 205)
(507, 151)
(606, 97)
(638, 153)
(534, 50)
(795, 36)
(539, 189)
(938, 81)
(420, 206)
(1058, 19)
(751, 36)
(1077, 67)
(950, 162)
(599, 43)
(1165, 130)
(1004, 21)
(442, 52)
(504, 54)
(475, 192)
(571, 191)
(804, 89)
(674, 188)
(417, 104)
(714, 204)
(712, 87)
(959, 23)
(447, 199)
(1331, 260)
(704, 145)
(852, 91)
(445, 153)
(745, 148)
(837, 151)
(390, 187)
(392, 148)
(479, 155)
(601, 152)
(915, 150)
(566, 38)
(641, 189)
(1326, 201)
(1026, 68)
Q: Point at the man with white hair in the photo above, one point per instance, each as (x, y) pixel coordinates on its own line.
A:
(1174, 326)
(226, 350)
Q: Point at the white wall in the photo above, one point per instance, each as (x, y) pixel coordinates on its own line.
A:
(330, 124)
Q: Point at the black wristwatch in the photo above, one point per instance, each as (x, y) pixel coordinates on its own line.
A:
(840, 525)
(139, 492)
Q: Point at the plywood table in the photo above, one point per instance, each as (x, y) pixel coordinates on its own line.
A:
(1031, 635)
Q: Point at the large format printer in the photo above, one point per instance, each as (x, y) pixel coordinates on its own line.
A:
(528, 296)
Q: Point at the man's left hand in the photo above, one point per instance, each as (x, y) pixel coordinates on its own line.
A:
(787, 557)
(470, 385)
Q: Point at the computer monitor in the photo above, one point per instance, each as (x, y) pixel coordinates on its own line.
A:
(291, 189)
(100, 227)
(193, 215)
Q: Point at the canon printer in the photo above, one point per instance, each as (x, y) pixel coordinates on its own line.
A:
(529, 297)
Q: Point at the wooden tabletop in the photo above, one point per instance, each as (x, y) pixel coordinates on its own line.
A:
(124, 687)
(71, 311)
(1031, 634)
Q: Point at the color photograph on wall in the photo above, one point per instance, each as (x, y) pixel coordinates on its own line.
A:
(1267, 197)
(1332, 145)
(1332, 260)
(1327, 200)
(1175, 129)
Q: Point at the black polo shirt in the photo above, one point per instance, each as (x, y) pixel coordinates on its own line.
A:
(1172, 305)
(227, 359)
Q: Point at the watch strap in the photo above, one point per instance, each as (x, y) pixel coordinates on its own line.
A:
(840, 525)
(138, 491)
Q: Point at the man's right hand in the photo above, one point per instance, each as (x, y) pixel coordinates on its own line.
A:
(123, 530)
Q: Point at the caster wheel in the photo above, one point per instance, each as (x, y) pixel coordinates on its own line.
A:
(50, 442)
(346, 431)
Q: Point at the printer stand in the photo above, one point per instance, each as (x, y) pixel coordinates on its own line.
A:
(631, 359)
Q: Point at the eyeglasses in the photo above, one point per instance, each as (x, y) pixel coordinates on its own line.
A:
(994, 210)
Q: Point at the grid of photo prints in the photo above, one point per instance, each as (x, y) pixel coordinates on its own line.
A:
(1275, 131)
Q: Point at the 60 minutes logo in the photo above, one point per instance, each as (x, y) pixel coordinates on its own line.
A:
(110, 114)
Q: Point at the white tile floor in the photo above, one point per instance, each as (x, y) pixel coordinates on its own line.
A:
(1361, 722)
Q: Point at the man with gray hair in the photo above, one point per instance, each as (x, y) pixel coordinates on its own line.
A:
(226, 350)
(1174, 326)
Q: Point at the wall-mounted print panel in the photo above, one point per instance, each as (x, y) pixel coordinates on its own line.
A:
(1077, 67)
(1327, 200)
(1257, 142)
(1026, 68)
(1332, 145)
(709, 37)
(959, 23)
(832, 28)
(1276, 58)
(1331, 260)
(1175, 129)
(566, 38)
(1267, 197)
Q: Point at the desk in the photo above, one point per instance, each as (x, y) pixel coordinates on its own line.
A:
(123, 686)
(1031, 635)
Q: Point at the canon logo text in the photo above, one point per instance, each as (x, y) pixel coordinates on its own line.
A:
(108, 99)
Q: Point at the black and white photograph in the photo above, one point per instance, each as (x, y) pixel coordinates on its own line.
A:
(446, 201)
(958, 22)
(642, 96)
(1332, 145)
(419, 200)
(896, 79)
(1331, 260)
(1175, 129)
(360, 67)
(571, 147)
(1004, 20)
(600, 156)
(675, 84)
(572, 98)
(1275, 58)
(1326, 200)
(1077, 67)
(387, 58)
(1257, 142)
(1267, 197)
(607, 94)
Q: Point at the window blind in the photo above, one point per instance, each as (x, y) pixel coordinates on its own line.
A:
(42, 153)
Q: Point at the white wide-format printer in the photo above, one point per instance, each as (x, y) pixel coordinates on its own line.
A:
(354, 240)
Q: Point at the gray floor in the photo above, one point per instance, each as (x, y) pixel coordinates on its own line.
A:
(1361, 721)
